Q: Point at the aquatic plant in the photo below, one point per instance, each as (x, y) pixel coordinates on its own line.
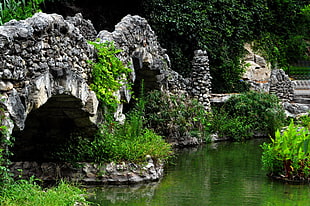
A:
(288, 153)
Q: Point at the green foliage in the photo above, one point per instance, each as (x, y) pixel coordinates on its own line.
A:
(288, 153)
(108, 74)
(304, 120)
(18, 9)
(283, 39)
(219, 27)
(119, 142)
(234, 127)
(222, 27)
(299, 72)
(172, 115)
(5, 143)
(114, 144)
(246, 113)
(25, 192)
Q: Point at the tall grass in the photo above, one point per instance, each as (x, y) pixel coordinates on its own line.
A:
(130, 142)
(28, 193)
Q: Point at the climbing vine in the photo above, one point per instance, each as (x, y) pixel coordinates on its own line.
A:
(108, 74)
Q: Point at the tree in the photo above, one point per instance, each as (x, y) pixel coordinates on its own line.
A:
(221, 27)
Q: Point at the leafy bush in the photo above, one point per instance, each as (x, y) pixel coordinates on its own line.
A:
(108, 74)
(226, 126)
(288, 154)
(246, 113)
(175, 116)
(284, 37)
(117, 145)
(18, 9)
(304, 120)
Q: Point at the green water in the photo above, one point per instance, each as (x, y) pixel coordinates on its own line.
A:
(217, 174)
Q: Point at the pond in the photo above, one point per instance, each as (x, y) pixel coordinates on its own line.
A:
(215, 174)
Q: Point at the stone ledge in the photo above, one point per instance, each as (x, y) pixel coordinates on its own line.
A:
(90, 173)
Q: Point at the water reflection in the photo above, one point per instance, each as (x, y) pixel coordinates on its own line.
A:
(216, 174)
(121, 195)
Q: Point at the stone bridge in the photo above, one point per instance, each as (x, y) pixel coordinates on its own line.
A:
(45, 76)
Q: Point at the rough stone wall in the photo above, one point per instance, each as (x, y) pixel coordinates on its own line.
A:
(46, 55)
(90, 173)
(41, 57)
(85, 27)
(281, 85)
(134, 36)
(201, 78)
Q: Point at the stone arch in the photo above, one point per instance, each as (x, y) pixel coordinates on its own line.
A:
(44, 71)
(56, 107)
(141, 49)
(44, 59)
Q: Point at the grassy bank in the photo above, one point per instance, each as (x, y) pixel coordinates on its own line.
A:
(26, 193)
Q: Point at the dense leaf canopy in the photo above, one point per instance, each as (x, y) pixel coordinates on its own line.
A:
(221, 27)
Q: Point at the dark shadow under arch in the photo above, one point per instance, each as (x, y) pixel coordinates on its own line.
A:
(49, 127)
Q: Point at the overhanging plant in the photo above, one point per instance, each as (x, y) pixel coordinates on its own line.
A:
(108, 74)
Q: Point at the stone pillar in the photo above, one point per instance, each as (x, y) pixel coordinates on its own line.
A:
(281, 85)
(201, 78)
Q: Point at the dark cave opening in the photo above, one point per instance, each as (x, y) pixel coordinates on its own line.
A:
(49, 128)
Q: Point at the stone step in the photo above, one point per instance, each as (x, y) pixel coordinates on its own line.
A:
(302, 84)
(302, 92)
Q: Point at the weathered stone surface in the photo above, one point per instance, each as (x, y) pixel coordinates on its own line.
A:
(44, 56)
(257, 72)
(86, 28)
(281, 85)
(89, 173)
(45, 77)
(201, 78)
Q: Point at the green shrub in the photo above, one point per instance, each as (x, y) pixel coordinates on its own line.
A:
(246, 113)
(226, 126)
(288, 153)
(113, 144)
(171, 115)
(219, 27)
(304, 120)
(18, 9)
(108, 74)
(284, 37)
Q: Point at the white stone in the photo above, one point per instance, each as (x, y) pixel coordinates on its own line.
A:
(6, 86)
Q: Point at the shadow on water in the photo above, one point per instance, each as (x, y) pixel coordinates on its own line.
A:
(216, 174)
